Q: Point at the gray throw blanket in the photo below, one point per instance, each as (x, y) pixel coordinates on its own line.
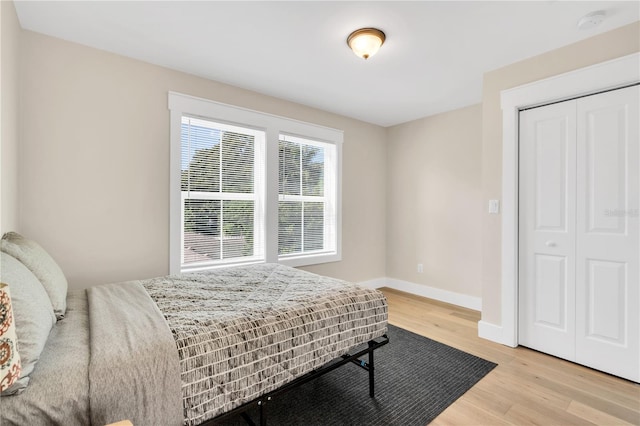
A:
(134, 371)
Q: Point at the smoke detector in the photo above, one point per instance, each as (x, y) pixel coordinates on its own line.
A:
(591, 20)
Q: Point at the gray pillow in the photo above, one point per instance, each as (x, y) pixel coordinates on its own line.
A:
(33, 315)
(43, 267)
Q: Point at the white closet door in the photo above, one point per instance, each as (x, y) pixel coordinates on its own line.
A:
(608, 233)
(547, 229)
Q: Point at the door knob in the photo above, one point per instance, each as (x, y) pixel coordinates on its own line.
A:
(550, 243)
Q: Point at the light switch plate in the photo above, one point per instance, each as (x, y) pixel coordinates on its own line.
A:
(494, 206)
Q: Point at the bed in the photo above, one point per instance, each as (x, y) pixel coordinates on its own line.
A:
(187, 349)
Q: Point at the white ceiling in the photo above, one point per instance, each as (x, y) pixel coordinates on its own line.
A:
(433, 60)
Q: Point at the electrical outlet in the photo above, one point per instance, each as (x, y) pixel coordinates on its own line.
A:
(420, 268)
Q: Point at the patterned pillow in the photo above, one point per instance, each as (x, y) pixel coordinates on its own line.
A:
(32, 313)
(43, 267)
(10, 367)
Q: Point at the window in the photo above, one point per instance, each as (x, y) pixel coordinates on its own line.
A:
(250, 187)
(306, 218)
(221, 187)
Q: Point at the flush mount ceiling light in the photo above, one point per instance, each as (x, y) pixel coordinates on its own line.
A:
(365, 42)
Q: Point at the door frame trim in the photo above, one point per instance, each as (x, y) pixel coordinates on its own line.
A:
(596, 78)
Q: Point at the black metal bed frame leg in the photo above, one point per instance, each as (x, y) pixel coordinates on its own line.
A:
(371, 375)
(263, 411)
(263, 421)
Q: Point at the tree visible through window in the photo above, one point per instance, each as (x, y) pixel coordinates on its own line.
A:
(218, 187)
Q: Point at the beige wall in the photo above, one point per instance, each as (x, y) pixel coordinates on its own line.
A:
(434, 194)
(95, 153)
(610, 45)
(93, 167)
(10, 35)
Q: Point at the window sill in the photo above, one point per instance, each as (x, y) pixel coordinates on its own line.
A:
(310, 259)
(219, 265)
(293, 261)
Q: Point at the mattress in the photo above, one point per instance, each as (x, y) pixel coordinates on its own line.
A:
(245, 331)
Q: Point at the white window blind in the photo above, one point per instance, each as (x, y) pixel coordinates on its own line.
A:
(306, 201)
(222, 170)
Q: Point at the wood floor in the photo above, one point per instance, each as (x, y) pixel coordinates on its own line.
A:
(527, 387)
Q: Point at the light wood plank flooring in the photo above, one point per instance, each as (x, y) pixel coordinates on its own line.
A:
(527, 387)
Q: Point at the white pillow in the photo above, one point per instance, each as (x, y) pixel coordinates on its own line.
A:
(43, 267)
(33, 315)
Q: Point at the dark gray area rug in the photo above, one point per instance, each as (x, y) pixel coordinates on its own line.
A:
(416, 379)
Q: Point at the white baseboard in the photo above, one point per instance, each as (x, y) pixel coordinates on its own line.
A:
(495, 333)
(446, 296)
(490, 331)
(486, 330)
(375, 283)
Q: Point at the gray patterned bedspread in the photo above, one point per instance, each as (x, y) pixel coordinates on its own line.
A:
(242, 332)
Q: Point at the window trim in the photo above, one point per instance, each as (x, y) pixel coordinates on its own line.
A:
(273, 126)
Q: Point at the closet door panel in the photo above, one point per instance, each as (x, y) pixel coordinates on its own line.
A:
(608, 232)
(547, 231)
